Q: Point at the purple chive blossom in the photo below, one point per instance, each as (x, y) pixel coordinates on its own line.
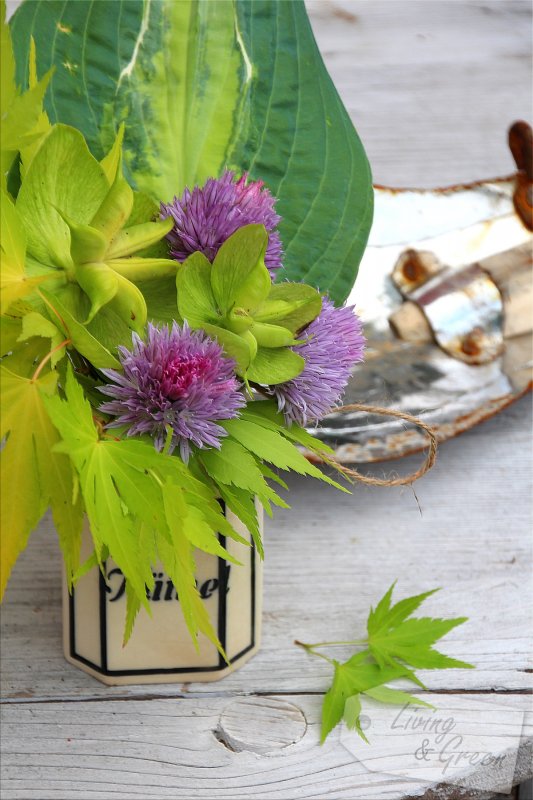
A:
(334, 343)
(207, 216)
(178, 377)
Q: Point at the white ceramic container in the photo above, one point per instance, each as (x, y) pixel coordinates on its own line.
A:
(160, 649)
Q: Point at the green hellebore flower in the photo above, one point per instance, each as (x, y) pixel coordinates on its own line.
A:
(234, 300)
(75, 211)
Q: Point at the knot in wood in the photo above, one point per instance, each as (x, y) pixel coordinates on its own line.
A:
(260, 725)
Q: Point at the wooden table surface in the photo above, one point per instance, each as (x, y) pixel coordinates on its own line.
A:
(431, 87)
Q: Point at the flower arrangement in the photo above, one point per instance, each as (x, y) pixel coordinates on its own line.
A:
(139, 407)
(162, 357)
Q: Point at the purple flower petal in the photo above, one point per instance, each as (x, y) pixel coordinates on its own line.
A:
(207, 216)
(334, 343)
(178, 378)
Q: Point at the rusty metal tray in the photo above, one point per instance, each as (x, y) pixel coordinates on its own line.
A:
(445, 293)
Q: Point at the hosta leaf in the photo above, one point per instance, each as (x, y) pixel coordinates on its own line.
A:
(220, 83)
(111, 161)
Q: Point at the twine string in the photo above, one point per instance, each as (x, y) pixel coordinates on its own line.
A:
(405, 480)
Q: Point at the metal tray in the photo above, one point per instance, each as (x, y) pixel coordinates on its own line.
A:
(465, 357)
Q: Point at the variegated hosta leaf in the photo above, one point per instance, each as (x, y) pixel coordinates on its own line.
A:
(207, 85)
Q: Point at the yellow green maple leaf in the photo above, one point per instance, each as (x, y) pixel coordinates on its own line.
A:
(136, 508)
(14, 283)
(42, 127)
(33, 475)
(24, 123)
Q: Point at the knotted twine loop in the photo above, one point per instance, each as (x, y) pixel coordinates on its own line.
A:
(405, 480)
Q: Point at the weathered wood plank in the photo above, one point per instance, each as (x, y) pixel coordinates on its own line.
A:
(431, 86)
(174, 749)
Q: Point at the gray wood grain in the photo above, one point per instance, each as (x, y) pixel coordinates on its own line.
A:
(431, 88)
(173, 749)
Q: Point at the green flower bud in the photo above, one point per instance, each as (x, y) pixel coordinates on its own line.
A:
(234, 299)
(238, 320)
